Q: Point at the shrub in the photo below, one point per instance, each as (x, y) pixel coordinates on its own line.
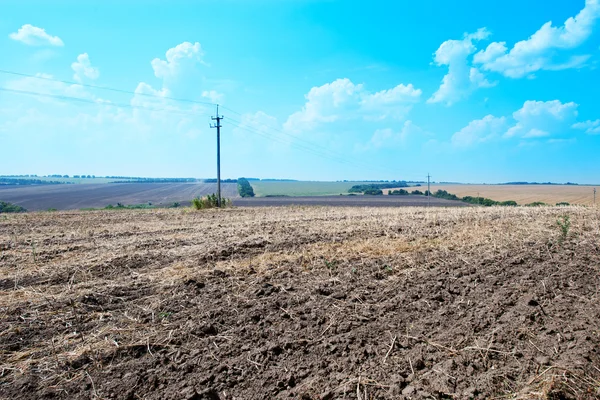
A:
(10, 208)
(417, 192)
(536, 204)
(373, 192)
(400, 192)
(210, 201)
(563, 203)
(244, 188)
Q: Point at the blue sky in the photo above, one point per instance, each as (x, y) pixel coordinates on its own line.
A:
(469, 91)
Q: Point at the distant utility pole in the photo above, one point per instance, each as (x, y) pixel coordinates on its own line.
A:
(428, 188)
(218, 118)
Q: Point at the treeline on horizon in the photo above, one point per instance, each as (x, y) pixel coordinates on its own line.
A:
(25, 182)
(373, 188)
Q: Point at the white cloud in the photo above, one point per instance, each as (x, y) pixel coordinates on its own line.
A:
(83, 68)
(45, 86)
(479, 130)
(591, 127)
(535, 120)
(213, 96)
(539, 51)
(34, 36)
(542, 118)
(177, 59)
(386, 137)
(180, 72)
(461, 78)
(344, 100)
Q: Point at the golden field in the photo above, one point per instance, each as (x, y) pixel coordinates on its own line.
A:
(522, 194)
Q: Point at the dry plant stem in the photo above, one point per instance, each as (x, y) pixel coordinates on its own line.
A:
(244, 296)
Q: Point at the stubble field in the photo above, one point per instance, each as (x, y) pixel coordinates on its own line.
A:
(301, 302)
(524, 194)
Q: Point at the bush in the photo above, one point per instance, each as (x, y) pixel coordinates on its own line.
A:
(417, 192)
(244, 188)
(400, 192)
(10, 208)
(536, 204)
(442, 194)
(373, 192)
(210, 201)
(563, 203)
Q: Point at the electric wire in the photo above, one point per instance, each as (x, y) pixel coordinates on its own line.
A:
(99, 103)
(87, 85)
(306, 145)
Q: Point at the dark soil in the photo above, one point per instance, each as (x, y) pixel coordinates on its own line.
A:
(470, 309)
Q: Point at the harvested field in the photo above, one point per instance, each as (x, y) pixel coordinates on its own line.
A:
(69, 197)
(301, 302)
(524, 194)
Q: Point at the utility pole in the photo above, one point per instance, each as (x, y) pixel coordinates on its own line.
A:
(218, 118)
(428, 188)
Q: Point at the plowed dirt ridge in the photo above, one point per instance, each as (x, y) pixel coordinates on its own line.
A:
(301, 302)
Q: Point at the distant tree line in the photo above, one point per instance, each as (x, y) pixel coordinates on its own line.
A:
(442, 194)
(539, 183)
(157, 180)
(376, 186)
(10, 208)
(270, 180)
(214, 180)
(20, 181)
(244, 188)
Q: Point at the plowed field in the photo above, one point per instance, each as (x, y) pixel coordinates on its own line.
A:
(301, 302)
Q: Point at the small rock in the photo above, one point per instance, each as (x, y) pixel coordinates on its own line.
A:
(408, 390)
(542, 360)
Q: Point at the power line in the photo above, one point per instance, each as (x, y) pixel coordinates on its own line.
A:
(283, 141)
(308, 146)
(303, 148)
(105, 88)
(89, 101)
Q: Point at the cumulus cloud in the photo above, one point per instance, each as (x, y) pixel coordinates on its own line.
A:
(535, 120)
(591, 127)
(35, 36)
(83, 68)
(344, 100)
(542, 118)
(386, 137)
(539, 51)
(461, 78)
(479, 130)
(177, 59)
(213, 96)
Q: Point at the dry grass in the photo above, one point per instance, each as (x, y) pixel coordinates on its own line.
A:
(55, 266)
(522, 194)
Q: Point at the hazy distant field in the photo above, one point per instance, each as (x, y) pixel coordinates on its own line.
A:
(524, 194)
(69, 197)
(302, 188)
